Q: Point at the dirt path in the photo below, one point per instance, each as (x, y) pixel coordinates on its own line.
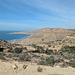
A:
(7, 68)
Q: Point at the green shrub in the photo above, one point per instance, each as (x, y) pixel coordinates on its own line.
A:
(36, 51)
(2, 54)
(25, 48)
(49, 45)
(34, 45)
(53, 46)
(24, 57)
(42, 62)
(64, 65)
(15, 55)
(72, 64)
(18, 50)
(2, 58)
(9, 56)
(11, 51)
(39, 69)
(49, 61)
(42, 39)
(68, 49)
(48, 52)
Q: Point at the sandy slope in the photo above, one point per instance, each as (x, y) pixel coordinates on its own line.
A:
(6, 68)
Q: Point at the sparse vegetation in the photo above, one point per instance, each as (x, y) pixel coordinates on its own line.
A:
(72, 64)
(25, 48)
(9, 56)
(49, 61)
(41, 50)
(33, 45)
(53, 57)
(24, 57)
(68, 49)
(11, 51)
(2, 54)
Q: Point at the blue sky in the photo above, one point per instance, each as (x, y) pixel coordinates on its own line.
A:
(36, 14)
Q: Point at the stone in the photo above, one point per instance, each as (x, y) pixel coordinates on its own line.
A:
(25, 66)
(15, 66)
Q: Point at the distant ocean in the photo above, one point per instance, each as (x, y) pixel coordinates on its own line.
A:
(4, 35)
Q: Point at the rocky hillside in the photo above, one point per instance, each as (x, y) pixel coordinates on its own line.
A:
(45, 35)
(5, 46)
(4, 43)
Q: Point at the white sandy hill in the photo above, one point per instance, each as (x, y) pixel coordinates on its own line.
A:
(7, 68)
(45, 35)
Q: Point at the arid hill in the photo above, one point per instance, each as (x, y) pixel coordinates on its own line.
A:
(47, 51)
(45, 35)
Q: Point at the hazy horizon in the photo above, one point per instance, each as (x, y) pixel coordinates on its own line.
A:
(24, 15)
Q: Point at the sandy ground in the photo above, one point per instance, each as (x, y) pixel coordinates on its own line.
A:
(7, 68)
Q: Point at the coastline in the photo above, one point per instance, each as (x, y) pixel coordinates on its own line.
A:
(26, 33)
(30, 33)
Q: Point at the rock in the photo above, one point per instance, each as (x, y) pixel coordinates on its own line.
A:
(15, 66)
(25, 66)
